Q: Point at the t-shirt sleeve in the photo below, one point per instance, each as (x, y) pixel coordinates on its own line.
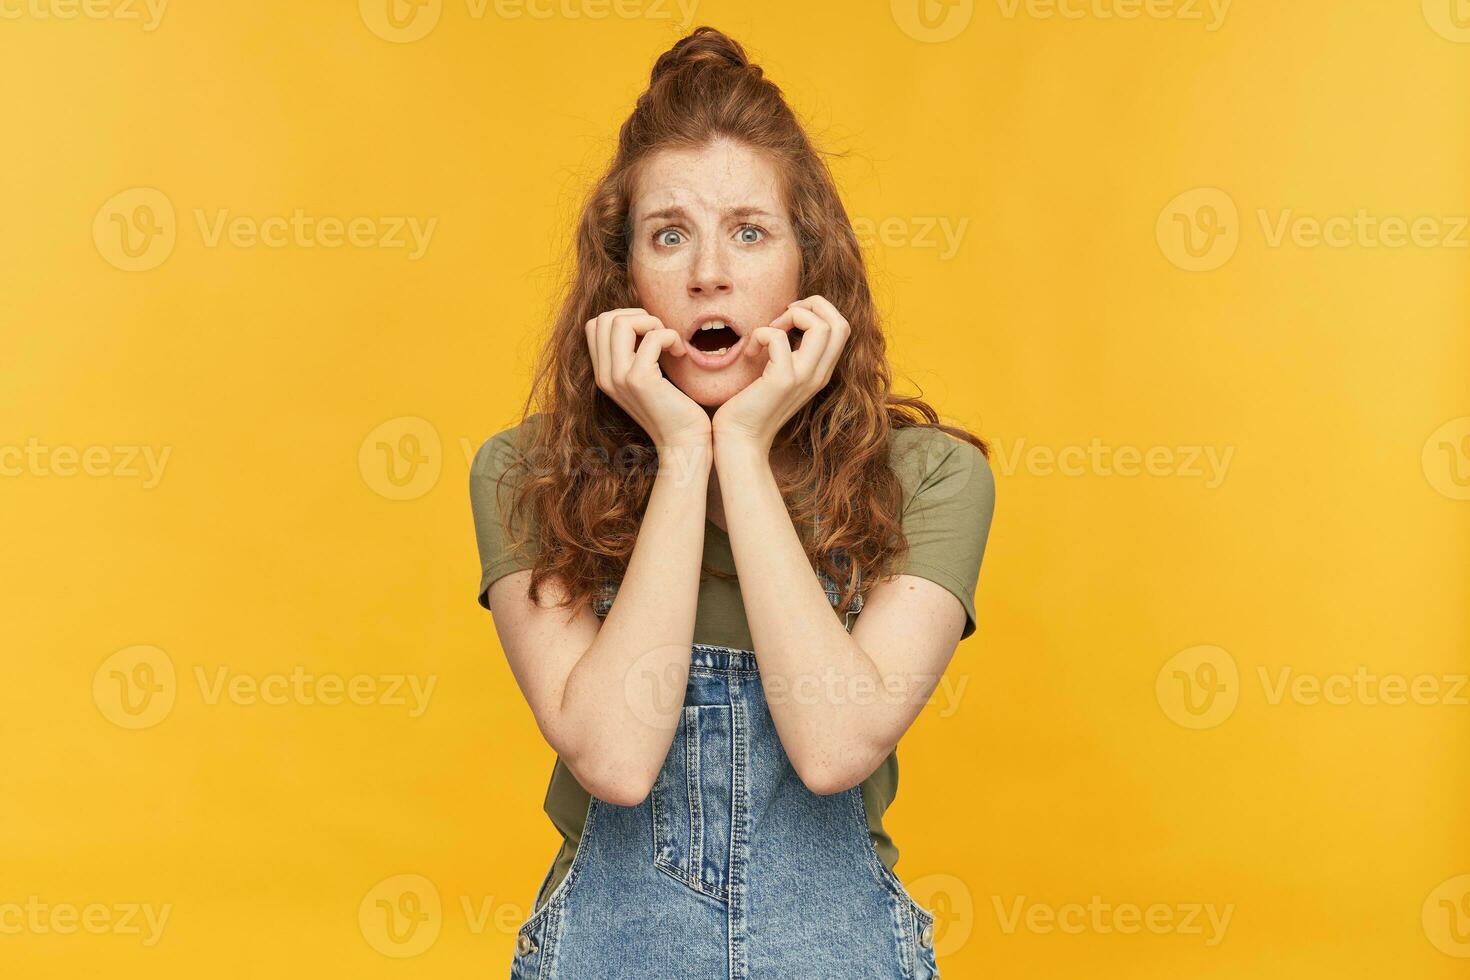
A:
(487, 498)
(947, 515)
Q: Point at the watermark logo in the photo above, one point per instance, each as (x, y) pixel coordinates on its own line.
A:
(654, 685)
(1363, 687)
(1206, 920)
(932, 21)
(679, 11)
(1446, 917)
(401, 916)
(138, 686)
(405, 21)
(39, 918)
(1450, 19)
(1198, 687)
(1446, 458)
(135, 687)
(148, 13)
(939, 233)
(135, 230)
(1211, 13)
(121, 462)
(401, 459)
(400, 21)
(950, 901)
(1362, 230)
(1199, 230)
(1209, 464)
(1201, 686)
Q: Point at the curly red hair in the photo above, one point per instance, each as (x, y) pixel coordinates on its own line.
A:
(585, 473)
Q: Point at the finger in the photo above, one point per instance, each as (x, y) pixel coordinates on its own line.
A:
(773, 341)
(803, 319)
(823, 307)
(815, 340)
(654, 343)
(604, 340)
(841, 331)
(758, 341)
(622, 336)
(591, 331)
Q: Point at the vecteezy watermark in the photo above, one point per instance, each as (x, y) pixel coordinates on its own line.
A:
(939, 233)
(405, 21)
(1200, 687)
(936, 21)
(402, 459)
(148, 13)
(1207, 463)
(1446, 917)
(1096, 917)
(932, 21)
(401, 916)
(949, 900)
(1450, 19)
(123, 462)
(1210, 13)
(1363, 686)
(1200, 229)
(38, 918)
(404, 914)
(137, 687)
(655, 683)
(1446, 458)
(831, 686)
(1362, 230)
(136, 230)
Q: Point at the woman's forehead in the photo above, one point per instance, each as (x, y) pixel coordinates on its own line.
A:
(714, 181)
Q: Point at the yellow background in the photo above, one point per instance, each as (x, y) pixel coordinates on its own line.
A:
(1071, 765)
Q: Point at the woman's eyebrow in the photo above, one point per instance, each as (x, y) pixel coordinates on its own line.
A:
(744, 211)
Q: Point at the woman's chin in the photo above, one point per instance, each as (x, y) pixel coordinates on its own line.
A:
(710, 389)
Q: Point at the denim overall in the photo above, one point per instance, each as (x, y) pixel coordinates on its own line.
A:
(730, 869)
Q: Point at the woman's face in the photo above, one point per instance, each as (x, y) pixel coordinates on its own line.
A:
(712, 242)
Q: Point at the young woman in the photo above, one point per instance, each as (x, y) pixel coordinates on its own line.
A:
(717, 483)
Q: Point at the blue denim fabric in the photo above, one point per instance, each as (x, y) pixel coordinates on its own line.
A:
(730, 869)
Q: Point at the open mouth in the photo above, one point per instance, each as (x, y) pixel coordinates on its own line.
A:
(714, 337)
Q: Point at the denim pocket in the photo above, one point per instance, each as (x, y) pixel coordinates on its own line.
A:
(691, 800)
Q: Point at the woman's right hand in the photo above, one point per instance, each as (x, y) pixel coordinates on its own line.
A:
(633, 378)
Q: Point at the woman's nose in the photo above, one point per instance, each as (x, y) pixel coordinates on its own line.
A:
(709, 273)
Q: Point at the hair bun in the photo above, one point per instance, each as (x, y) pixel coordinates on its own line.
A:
(704, 47)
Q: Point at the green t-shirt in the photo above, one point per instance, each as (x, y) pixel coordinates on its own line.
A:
(949, 495)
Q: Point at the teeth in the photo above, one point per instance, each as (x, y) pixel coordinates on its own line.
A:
(719, 353)
(713, 325)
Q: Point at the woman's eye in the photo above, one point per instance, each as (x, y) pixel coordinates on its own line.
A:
(667, 237)
(750, 234)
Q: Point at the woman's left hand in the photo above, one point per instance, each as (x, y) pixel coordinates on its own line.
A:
(756, 413)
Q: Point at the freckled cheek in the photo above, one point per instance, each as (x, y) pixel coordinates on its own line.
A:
(656, 288)
(769, 280)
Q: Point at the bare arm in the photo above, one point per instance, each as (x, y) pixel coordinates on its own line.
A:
(608, 699)
(608, 696)
(840, 701)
